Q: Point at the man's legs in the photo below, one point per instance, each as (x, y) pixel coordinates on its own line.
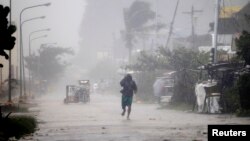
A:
(130, 100)
(126, 101)
(124, 110)
(129, 110)
(123, 105)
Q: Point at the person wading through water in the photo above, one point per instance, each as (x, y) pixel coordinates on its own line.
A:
(129, 89)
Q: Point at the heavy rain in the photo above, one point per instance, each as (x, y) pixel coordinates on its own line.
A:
(124, 70)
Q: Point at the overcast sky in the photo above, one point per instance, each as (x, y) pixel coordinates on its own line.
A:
(92, 24)
(62, 16)
(103, 20)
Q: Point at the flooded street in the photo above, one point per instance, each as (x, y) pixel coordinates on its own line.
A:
(101, 120)
(102, 52)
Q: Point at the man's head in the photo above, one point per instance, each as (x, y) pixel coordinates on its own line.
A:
(129, 77)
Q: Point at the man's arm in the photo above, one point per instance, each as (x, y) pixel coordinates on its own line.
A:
(122, 82)
(135, 87)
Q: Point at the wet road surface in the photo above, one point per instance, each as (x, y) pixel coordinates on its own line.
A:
(101, 120)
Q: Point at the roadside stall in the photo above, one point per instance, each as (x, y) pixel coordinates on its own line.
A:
(207, 97)
(210, 91)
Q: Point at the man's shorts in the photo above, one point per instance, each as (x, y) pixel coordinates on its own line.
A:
(126, 100)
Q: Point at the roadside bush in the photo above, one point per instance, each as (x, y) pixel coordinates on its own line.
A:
(17, 127)
(237, 98)
(244, 89)
(184, 87)
(243, 113)
(145, 81)
(232, 100)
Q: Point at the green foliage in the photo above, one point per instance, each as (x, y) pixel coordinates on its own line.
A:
(243, 113)
(184, 86)
(243, 47)
(7, 41)
(182, 60)
(138, 14)
(243, 52)
(146, 61)
(145, 81)
(232, 99)
(135, 19)
(52, 65)
(49, 63)
(185, 62)
(178, 59)
(17, 126)
(244, 89)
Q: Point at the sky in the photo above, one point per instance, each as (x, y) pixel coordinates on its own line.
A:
(94, 23)
(103, 21)
(63, 17)
(91, 25)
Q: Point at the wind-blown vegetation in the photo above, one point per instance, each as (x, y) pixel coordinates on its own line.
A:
(16, 126)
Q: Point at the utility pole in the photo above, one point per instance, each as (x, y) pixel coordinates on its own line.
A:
(155, 45)
(191, 13)
(10, 70)
(172, 24)
(217, 9)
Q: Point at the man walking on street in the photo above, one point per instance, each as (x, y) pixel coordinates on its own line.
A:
(129, 88)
